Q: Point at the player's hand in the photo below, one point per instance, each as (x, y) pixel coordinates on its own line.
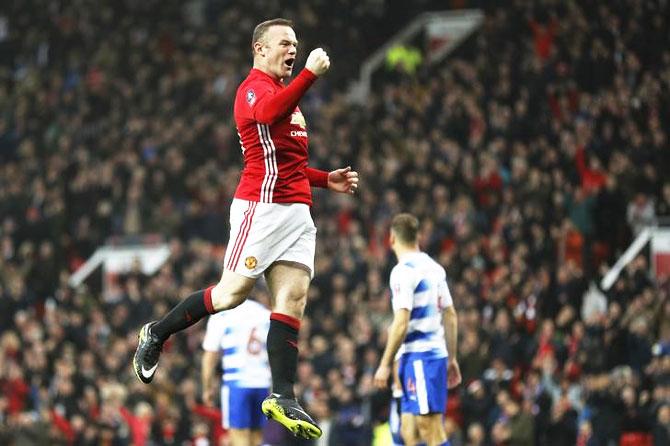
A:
(382, 376)
(343, 180)
(208, 397)
(453, 374)
(318, 62)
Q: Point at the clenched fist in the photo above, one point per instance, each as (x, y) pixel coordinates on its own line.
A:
(318, 61)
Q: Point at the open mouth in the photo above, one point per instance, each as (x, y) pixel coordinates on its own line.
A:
(289, 63)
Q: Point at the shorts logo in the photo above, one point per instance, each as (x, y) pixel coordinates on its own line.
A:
(251, 97)
(250, 262)
(411, 387)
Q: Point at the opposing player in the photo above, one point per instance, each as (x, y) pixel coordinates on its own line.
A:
(238, 337)
(272, 232)
(423, 330)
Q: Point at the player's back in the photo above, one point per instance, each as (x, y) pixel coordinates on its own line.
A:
(240, 335)
(419, 278)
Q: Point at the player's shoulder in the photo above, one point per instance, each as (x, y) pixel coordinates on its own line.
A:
(249, 91)
(402, 271)
(403, 267)
(434, 264)
(255, 80)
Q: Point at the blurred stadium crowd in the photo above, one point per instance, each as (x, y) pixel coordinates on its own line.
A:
(533, 156)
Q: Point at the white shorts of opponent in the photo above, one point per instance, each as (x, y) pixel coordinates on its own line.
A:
(263, 233)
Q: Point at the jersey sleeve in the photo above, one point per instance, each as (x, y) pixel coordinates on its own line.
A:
(267, 107)
(214, 333)
(402, 287)
(317, 177)
(444, 299)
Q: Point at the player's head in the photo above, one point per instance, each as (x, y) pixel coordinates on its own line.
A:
(274, 45)
(404, 231)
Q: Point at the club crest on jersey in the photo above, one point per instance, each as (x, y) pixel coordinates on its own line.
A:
(251, 97)
(298, 119)
(250, 262)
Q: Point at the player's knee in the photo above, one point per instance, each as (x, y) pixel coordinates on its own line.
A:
(408, 434)
(422, 426)
(425, 424)
(291, 302)
(431, 428)
(225, 297)
(297, 297)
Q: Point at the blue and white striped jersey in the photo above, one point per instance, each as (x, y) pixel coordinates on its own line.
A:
(419, 284)
(240, 336)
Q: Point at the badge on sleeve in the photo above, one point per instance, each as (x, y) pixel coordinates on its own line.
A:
(251, 97)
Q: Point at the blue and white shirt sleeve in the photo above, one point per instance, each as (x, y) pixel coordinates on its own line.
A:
(443, 294)
(214, 333)
(402, 287)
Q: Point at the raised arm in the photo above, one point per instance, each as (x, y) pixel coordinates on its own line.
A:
(272, 108)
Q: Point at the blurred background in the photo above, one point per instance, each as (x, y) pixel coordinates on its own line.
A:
(531, 138)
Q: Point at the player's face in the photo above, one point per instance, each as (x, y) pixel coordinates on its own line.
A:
(278, 52)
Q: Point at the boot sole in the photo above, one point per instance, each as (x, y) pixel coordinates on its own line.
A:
(299, 428)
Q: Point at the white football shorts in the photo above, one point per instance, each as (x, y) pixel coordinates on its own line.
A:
(264, 233)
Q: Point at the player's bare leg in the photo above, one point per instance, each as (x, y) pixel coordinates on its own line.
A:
(408, 429)
(288, 283)
(231, 291)
(256, 437)
(431, 429)
(244, 437)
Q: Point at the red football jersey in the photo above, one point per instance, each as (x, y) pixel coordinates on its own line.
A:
(273, 137)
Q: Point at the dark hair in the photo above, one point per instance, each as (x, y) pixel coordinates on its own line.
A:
(262, 28)
(406, 228)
